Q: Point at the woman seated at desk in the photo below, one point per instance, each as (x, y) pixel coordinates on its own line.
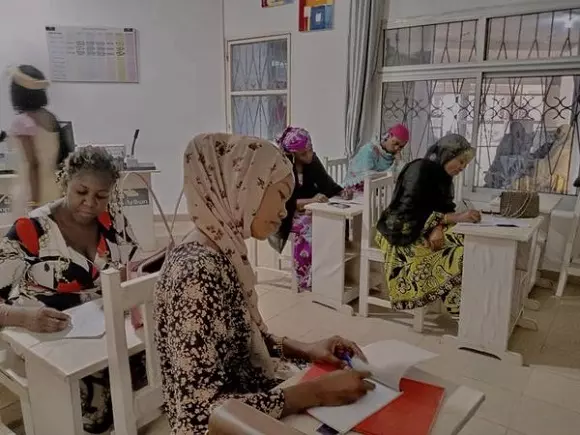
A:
(423, 257)
(212, 341)
(50, 261)
(313, 184)
(375, 157)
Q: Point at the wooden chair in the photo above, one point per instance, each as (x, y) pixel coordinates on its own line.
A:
(237, 418)
(378, 192)
(12, 376)
(570, 264)
(130, 409)
(336, 168)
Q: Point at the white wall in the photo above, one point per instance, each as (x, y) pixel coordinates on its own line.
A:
(181, 91)
(318, 66)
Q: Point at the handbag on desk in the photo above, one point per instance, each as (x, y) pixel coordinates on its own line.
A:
(519, 204)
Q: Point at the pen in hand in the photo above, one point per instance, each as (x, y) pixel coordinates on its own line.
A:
(346, 358)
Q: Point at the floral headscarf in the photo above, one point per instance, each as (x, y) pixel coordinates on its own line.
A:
(294, 139)
(225, 177)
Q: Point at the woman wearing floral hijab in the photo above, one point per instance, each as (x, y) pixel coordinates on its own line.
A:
(212, 341)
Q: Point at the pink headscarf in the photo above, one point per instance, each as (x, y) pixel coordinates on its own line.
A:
(399, 131)
(294, 139)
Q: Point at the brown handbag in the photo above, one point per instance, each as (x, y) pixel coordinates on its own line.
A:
(519, 204)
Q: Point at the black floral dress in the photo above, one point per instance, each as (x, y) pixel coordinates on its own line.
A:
(203, 339)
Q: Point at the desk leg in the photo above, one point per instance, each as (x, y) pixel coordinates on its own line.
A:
(532, 269)
(488, 288)
(55, 402)
(328, 246)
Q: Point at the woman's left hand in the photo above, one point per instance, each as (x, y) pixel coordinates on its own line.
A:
(331, 349)
(346, 194)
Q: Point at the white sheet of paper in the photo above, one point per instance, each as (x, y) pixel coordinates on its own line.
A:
(87, 320)
(388, 361)
(495, 221)
(344, 418)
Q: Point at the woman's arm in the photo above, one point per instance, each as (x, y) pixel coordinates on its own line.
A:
(33, 177)
(24, 128)
(326, 185)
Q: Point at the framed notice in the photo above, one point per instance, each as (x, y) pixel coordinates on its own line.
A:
(93, 54)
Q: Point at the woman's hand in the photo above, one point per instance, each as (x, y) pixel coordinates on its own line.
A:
(436, 239)
(469, 216)
(346, 194)
(331, 350)
(36, 319)
(320, 198)
(333, 389)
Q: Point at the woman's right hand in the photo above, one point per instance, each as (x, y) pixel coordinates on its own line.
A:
(320, 198)
(470, 216)
(39, 319)
(338, 388)
(342, 387)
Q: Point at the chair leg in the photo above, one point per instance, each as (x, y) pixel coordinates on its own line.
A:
(27, 417)
(363, 289)
(419, 319)
(562, 280)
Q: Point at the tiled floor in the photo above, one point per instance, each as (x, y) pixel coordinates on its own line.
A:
(541, 398)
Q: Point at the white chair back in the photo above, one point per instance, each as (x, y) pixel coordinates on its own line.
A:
(336, 168)
(378, 192)
(129, 407)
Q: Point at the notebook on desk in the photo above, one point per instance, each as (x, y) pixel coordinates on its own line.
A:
(387, 409)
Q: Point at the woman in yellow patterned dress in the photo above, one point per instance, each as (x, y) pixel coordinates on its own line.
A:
(423, 257)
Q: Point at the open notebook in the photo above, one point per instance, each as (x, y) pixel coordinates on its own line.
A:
(388, 361)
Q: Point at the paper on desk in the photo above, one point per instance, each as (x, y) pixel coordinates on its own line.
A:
(87, 320)
(498, 221)
(388, 361)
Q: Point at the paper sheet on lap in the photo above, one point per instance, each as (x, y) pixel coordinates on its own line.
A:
(388, 361)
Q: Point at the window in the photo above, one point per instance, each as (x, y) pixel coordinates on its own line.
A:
(258, 86)
(509, 83)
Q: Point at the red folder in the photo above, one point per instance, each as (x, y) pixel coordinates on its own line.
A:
(412, 413)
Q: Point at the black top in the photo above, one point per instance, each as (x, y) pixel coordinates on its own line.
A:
(423, 187)
(315, 180)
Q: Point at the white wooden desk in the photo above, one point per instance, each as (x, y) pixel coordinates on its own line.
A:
(332, 255)
(493, 290)
(459, 405)
(54, 368)
(547, 206)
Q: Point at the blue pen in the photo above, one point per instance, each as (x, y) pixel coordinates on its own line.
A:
(346, 358)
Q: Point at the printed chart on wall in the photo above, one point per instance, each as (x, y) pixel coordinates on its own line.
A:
(315, 15)
(92, 54)
(270, 3)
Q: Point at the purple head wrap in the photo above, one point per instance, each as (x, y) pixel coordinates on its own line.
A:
(294, 139)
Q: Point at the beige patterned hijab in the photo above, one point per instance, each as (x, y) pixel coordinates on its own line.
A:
(225, 177)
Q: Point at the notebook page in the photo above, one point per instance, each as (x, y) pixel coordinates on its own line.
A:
(389, 360)
(344, 418)
(87, 320)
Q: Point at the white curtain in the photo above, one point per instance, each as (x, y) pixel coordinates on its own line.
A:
(364, 38)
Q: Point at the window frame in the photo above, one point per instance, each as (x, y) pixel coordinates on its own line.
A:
(478, 70)
(228, 73)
